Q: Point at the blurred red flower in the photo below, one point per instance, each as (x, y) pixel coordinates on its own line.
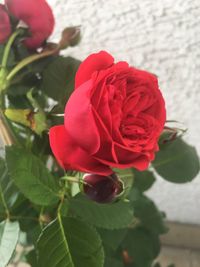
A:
(5, 27)
(37, 15)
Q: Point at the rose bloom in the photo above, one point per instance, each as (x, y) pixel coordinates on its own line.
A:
(113, 118)
(37, 15)
(5, 27)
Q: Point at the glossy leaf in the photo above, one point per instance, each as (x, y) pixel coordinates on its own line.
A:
(32, 258)
(58, 78)
(109, 216)
(69, 242)
(143, 180)
(149, 216)
(31, 176)
(112, 262)
(141, 247)
(177, 162)
(112, 238)
(9, 234)
(8, 190)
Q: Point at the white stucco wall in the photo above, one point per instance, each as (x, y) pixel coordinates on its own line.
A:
(162, 36)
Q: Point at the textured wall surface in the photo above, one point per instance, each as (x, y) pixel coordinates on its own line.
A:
(162, 37)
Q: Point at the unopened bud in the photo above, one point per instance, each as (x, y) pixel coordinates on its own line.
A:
(102, 189)
(70, 37)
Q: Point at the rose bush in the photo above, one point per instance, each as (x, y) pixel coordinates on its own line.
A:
(5, 27)
(113, 118)
(37, 15)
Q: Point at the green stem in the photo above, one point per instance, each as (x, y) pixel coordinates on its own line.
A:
(73, 180)
(34, 102)
(61, 202)
(6, 130)
(8, 47)
(63, 234)
(4, 203)
(40, 216)
(28, 61)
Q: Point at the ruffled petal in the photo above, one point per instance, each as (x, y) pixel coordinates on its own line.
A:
(95, 62)
(126, 158)
(72, 157)
(79, 119)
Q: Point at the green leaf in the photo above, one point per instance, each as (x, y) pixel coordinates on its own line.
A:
(142, 247)
(32, 258)
(127, 177)
(134, 194)
(19, 101)
(58, 78)
(9, 234)
(112, 238)
(32, 177)
(27, 217)
(112, 262)
(11, 57)
(177, 162)
(143, 180)
(157, 264)
(8, 191)
(109, 216)
(69, 242)
(148, 214)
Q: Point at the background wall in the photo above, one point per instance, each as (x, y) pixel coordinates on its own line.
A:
(164, 38)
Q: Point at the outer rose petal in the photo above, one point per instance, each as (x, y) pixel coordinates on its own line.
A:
(5, 27)
(79, 119)
(126, 159)
(37, 15)
(23, 8)
(40, 30)
(72, 157)
(95, 62)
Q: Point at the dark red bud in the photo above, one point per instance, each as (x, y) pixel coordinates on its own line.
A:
(102, 189)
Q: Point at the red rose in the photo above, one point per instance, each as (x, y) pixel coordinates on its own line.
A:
(113, 118)
(5, 27)
(37, 15)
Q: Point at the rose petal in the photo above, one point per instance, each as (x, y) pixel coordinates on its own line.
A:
(72, 157)
(40, 30)
(95, 62)
(38, 16)
(158, 110)
(79, 119)
(126, 158)
(5, 26)
(23, 8)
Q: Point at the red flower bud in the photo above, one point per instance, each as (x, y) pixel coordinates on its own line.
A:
(37, 15)
(102, 189)
(5, 27)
